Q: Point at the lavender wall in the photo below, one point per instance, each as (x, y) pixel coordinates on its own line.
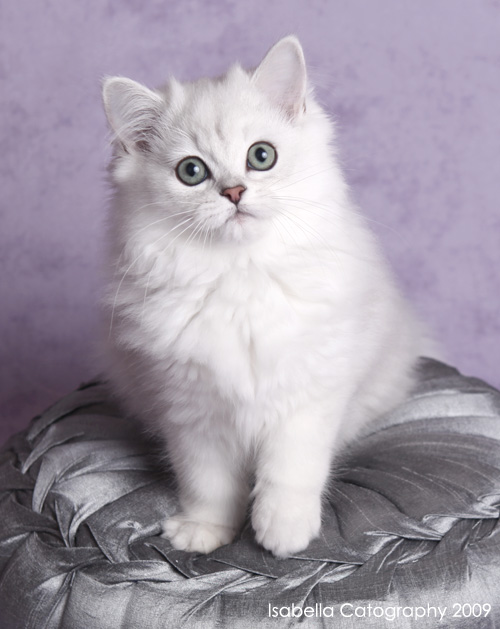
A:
(415, 87)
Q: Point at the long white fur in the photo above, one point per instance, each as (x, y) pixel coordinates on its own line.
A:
(254, 345)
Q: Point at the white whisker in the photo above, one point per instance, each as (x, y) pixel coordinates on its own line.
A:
(153, 265)
(307, 229)
(345, 215)
(134, 262)
(293, 183)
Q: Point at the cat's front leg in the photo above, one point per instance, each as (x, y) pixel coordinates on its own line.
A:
(213, 490)
(292, 470)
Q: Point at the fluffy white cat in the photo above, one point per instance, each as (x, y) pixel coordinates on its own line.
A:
(254, 323)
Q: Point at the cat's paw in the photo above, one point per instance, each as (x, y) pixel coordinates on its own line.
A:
(286, 524)
(193, 536)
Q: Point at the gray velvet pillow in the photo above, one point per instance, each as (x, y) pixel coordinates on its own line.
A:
(410, 526)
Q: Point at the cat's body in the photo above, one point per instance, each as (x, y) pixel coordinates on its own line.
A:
(254, 324)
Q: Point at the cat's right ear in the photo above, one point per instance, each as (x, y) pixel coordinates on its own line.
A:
(133, 112)
(282, 76)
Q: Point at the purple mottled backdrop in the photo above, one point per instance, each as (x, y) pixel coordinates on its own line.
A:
(415, 88)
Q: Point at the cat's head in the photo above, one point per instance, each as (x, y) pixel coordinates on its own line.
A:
(220, 158)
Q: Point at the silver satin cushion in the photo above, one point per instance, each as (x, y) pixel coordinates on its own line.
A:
(410, 523)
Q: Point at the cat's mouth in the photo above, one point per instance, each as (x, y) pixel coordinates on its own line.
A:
(241, 224)
(240, 214)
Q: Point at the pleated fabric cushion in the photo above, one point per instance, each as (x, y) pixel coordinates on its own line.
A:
(410, 534)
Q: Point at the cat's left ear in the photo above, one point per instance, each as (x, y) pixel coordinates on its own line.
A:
(282, 76)
(132, 110)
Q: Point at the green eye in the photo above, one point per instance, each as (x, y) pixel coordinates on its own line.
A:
(191, 171)
(261, 156)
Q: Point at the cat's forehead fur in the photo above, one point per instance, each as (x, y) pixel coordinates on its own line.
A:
(218, 117)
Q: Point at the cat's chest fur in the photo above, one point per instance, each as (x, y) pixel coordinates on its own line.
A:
(244, 324)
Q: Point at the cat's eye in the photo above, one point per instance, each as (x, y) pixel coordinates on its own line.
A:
(261, 156)
(191, 171)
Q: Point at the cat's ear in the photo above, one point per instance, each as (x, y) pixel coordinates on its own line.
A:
(133, 112)
(282, 76)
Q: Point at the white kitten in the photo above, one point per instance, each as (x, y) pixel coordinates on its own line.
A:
(254, 323)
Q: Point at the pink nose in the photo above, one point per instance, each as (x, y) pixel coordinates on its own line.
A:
(234, 194)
